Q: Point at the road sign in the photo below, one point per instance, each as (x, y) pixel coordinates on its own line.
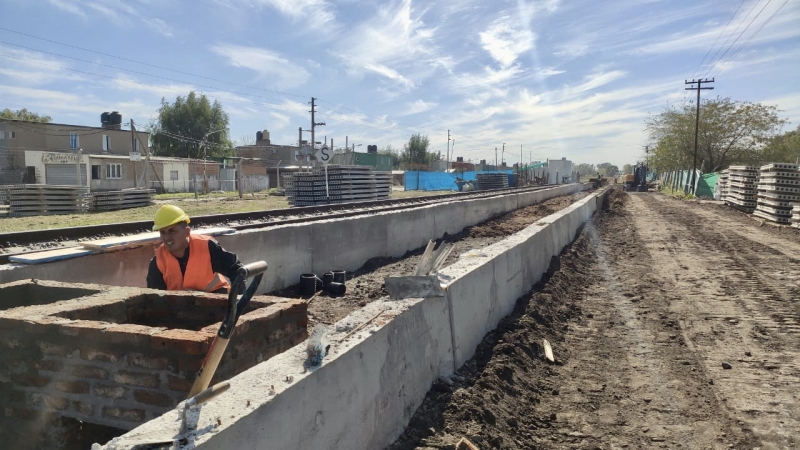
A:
(324, 155)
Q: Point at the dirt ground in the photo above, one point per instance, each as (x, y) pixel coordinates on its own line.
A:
(366, 284)
(674, 325)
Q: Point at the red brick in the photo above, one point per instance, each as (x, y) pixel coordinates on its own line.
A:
(90, 372)
(51, 365)
(72, 387)
(220, 302)
(128, 415)
(50, 401)
(87, 329)
(179, 384)
(54, 349)
(130, 334)
(189, 364)
(146, 362)
(136, 379)
(34, 380)
(91, 354)
(183, 341)
(21, 413)
(152, 398)
(113, 392)
(82, 408)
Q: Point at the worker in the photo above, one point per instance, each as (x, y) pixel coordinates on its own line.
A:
(186, 261)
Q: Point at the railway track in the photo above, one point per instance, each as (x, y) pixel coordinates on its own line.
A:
(243, 221)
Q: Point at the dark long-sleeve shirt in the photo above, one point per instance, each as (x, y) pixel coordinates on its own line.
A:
(222, 262)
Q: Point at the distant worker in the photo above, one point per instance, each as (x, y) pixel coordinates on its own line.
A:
(186, 261)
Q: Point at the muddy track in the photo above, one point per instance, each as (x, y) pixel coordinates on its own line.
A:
(674, 326)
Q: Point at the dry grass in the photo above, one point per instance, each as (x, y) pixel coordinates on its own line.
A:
(214, 203)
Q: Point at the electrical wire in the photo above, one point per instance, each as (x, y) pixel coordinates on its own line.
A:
(752, 36)
(718, 36)
(737, 38)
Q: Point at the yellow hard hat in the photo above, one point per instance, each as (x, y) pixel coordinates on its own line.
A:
(168, 215)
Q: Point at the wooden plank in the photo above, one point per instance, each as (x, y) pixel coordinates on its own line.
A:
(143, 239)
(59, 254)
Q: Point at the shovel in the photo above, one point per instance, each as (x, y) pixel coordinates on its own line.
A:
(235, 309)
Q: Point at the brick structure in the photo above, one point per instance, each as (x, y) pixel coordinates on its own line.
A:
(117, 357)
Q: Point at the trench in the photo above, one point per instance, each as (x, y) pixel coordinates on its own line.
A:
(366, 284)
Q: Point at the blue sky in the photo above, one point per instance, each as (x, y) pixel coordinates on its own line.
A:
(558, 78)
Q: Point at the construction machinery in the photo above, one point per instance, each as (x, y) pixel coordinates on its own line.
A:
(636, 181)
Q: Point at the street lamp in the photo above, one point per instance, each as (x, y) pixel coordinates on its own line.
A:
(205, 159)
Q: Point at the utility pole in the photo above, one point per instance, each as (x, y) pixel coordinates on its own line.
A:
(495, 158)
(133, 146)
(313, 124)
(503, 154)
(697, 120)
(447, 155)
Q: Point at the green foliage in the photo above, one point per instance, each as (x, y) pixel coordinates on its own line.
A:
(783, 148)
(23, 114)
(607, 170)
(626, 169)
(585, 169)
(392, 153)
(415, 153)
(677, 193)
(730, 132)
(192, 117)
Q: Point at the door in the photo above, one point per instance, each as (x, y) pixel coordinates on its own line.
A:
(64, 174)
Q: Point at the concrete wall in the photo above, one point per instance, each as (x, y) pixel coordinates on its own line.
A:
(292, 250)
(370, 385)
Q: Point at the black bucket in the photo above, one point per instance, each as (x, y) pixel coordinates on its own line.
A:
(337, 288)
(327, 278)
(339, 276)
(309, 284)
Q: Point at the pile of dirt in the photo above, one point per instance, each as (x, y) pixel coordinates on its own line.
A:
(367, 283)
(492, 397)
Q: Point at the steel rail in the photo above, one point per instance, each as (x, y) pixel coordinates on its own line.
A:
(263, 219)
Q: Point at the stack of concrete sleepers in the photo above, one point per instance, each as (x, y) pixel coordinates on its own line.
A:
(723, 183)
(126, 198)
(778, 189)
(345, 184)
(41, 199)
(492, 181)
(742, 187)
(796, 215)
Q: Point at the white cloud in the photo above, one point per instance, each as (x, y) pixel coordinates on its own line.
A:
(507, 39)
(317, 14)
(269, 65)
(67, 6)
(418, 107)
(159, 26)
(389, 73)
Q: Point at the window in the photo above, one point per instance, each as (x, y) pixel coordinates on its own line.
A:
(2, 134)
(297, 155)
(106, 142)
(12, 134)
(173, 175)
(113, 171)
(135, 145)
(73, 140)
(95, 172)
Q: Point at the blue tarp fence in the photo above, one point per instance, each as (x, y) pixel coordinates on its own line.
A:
(443, 181)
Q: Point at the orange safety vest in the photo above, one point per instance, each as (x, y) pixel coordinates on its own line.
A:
(199, 275)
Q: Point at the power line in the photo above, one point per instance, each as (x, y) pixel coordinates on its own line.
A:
(753, 35)
(718, 36)
(735, 30)
(737, 38)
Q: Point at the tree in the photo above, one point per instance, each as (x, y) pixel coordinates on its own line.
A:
(626, 169)
(23, 114)
(783, 148)
(730, 132)
(392, 153)
(607, 169)
(585, 169)
(181, 127)
(415, 152)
